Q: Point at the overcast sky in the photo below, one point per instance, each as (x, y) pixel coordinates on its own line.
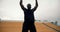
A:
(47, 9)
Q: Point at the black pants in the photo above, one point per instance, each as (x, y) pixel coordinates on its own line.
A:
(28, 26)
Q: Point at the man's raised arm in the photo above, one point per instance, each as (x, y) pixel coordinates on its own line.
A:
(21, 4)
(36, 5)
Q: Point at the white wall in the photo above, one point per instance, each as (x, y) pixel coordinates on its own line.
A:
(48, 9)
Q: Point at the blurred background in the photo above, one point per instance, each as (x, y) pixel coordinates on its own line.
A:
(47, 11)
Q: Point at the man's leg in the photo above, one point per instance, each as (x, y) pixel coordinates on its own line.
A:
(32, 29)
(24, 29)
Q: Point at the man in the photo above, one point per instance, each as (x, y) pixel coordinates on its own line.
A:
(28, 17)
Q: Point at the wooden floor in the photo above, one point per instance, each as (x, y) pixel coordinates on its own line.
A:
(12, 26)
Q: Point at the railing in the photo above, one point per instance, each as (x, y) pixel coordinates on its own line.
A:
(51, 27)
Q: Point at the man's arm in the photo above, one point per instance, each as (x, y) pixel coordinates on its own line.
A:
(36, 5)
(21, 4)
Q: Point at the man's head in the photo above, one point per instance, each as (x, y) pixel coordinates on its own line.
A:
(29, 6)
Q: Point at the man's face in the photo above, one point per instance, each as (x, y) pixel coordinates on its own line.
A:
(29, 6)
